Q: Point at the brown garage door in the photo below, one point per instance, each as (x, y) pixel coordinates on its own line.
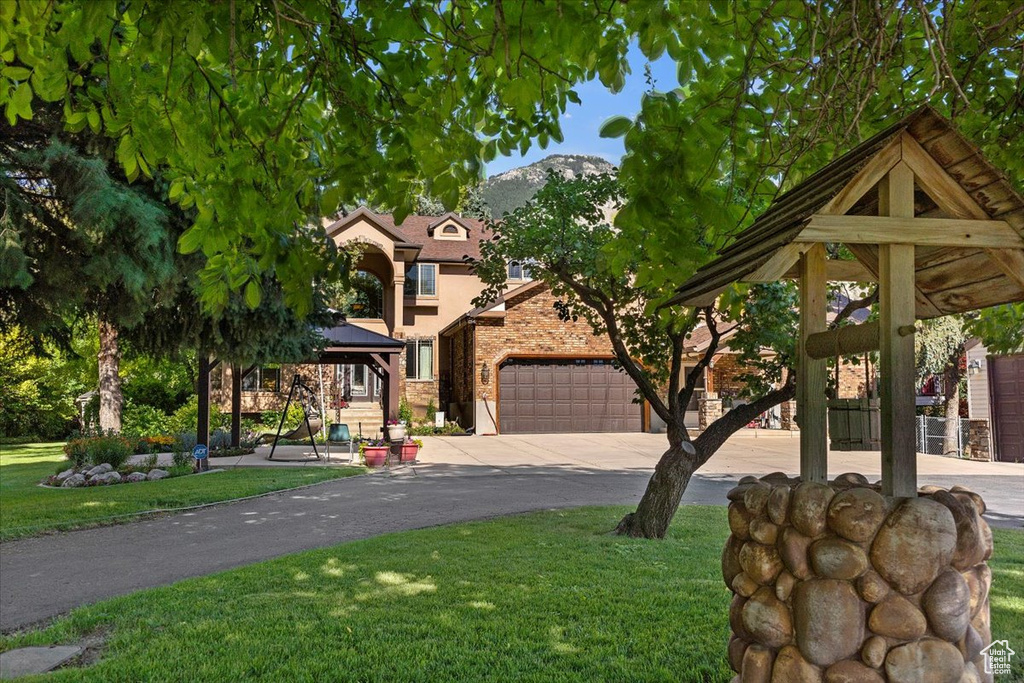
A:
(1008, 406)
(541, 396)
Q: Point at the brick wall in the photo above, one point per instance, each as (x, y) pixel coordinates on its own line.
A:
(531, 328)
(725, 376)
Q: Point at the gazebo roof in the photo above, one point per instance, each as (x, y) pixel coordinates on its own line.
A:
(968, 223)
(348, 336)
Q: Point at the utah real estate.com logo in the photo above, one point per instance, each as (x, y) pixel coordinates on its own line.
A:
(997, 657)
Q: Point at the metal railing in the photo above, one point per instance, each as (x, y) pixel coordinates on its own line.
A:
(931, 435)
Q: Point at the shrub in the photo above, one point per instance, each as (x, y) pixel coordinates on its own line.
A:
(220, 439)
(405, 412)
(18, 440)
(186, 417)
(431, 411)
(145, 420)
(96, 450)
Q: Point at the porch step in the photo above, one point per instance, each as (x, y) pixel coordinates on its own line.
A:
(369, 419)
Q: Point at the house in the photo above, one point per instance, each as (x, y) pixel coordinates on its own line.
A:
(512, 365)
(995, 395)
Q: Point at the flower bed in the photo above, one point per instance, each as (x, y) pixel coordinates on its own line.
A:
(105, 475)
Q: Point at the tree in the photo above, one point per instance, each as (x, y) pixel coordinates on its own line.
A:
(263, 116)
(940, 347)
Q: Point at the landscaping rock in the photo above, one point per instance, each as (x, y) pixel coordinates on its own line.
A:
(731, 559)
(736, 492)
(778, 504)
(947, 604)
(835, 558)
(808, 506)
(156, 474)
(64, 475)
(739, 520)
(970, 543)
(744, 585)
(925, 661)
(767, 619)
(970, 645)
(829, 620)
(851, 479)
(102, 468)
(760, 562)
(784, 585)
(763, 531)
(135, 477)
(791, 667)
(915, 542)
(755, 498)
(979, 502)
(874, 651)
(757, 664)
(74, 481)
(979, 580)
(856, 514)
(896, 617)
(873, 587)
(737, 646)
(793, 548)
(736, 617)
(106, 478)
(850, 671)
(776, 478)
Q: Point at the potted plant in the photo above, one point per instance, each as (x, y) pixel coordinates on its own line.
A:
(374, 452)
(410, 449)
(396, 430)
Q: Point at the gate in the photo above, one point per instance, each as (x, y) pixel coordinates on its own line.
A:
(931, 432)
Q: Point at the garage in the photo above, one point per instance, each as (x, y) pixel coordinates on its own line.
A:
(1007, 382)
(542, 396)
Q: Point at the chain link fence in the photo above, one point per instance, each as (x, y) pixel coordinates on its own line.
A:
(931, 435)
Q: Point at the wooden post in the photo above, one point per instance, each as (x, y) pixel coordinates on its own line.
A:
(236, 406)
(812, 374)
(896, 358)
(203, 419)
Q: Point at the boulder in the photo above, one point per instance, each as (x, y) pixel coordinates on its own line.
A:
(778, 504)
(978, 501)
(760, 562)
(973, 675)
(731, 559)
(736, 492)
(737, 646)
(808, 508)
(767, 619)
(749, 479)
(156, 474)
(739, 520)
(925, 661)
(776, 478)
(784, 585)
(828, 619)
(102, 468)
(791, 667)
(744, 585)
(856, 514)
(64, 475)
(736, 617)
(986, 535)
(74, 481)
(851, 479)
(914, 543)
(970, 645)
(835, 558)
(970, 543)
(851, 671)
(793, 547)
(872, 587)
(757, 664)
(755, 498)
(896, 617)
(135, 477)
(763, 531)
(106, 478)
(874, 651)
(979, 580)
(947, 604)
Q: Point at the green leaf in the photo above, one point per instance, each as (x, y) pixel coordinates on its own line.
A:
(17, 73)
(616, 127)
(253, 294)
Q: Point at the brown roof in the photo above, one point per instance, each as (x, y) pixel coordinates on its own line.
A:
(418, 230)
(950, 280)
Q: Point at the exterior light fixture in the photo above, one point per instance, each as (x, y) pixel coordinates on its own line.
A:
(974, 367)
(485, 373)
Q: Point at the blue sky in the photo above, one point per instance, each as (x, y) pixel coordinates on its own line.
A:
(581, 122)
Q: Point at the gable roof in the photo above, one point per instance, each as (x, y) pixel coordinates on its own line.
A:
(949, 279)
(415, 232)
(347, 335)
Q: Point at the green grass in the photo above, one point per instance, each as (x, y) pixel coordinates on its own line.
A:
(542, 597)
(26, 509)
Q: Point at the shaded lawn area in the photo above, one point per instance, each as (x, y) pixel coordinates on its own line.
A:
(548, 596)
(26, 509)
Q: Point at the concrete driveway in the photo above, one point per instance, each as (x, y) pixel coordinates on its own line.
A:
(461, 478)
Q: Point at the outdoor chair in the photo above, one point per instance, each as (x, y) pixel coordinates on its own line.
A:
(338, 434)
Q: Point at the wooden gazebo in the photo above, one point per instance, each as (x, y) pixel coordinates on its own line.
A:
(927, 217)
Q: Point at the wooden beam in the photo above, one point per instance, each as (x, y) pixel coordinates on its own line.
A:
(779, 264)
(939, 185)
(1011, 262)
(869, 176)
(930, 232)
(848, 340)
(812, 374)
(839, 271)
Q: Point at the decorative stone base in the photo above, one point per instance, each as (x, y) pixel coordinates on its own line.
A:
(838, 583)
(709, 409)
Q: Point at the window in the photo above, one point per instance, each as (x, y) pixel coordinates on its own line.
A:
(421, 280)
(356, 377)
(449, 230)
(518, 271)
(262, 379)
(419, 359)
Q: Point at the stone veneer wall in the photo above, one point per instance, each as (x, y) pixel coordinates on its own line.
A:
(836, 583)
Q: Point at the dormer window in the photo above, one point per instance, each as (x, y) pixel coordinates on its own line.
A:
(449, 230)
(517, 270)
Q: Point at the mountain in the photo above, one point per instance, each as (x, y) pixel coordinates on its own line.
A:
(513, 188)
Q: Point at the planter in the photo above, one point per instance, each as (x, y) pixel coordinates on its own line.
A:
(409, 452)
(396, 432)
(375, 456)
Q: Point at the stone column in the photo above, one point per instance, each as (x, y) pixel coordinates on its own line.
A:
(978, 440)
(709, 409)
(787, 412)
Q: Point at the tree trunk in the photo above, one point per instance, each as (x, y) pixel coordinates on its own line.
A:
(951, 394)
(664, 491)
(111, 399)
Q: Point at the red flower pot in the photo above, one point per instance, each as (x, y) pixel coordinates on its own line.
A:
(409, 451)
(375, 456)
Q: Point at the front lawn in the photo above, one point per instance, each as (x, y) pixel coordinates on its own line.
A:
(542, 597)
(26, 509)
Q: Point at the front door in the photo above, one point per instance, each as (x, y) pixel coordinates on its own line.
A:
(357, 384)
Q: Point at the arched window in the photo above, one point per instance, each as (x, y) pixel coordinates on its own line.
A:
(449, 230)
(365, 299)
